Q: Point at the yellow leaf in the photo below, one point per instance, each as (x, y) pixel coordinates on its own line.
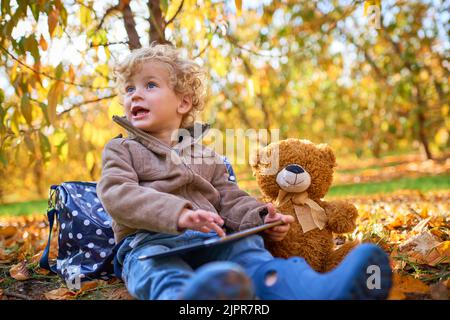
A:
(52, 98)
(238, 4)
(85, 16)
(115, 108)
(371, 3)
(90, 160)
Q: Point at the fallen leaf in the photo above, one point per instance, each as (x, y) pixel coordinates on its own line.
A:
(42, 271)
(7, 231)
(438, 291)
(439, 254)
(403, 285)
(120, 294)
(421, 226)
(20, 271)
(5, 257)
(420, 245)
(3, 295)
(60, 294)
(88, 285)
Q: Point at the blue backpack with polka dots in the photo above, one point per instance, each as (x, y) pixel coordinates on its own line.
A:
(85, 237)
(86, 245)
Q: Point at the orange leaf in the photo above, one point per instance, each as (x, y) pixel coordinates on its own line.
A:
(8, 231)
(19, 271)
(43, 43)
(406, 284)
(52, 21)
(60, 294)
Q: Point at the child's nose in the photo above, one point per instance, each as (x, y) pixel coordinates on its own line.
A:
(137, 94)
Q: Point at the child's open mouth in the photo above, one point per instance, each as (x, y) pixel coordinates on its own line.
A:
(139, 112)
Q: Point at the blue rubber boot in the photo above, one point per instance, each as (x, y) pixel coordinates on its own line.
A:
(364, 274)
(219, 281)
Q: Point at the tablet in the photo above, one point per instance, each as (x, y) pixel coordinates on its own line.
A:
(212, 242)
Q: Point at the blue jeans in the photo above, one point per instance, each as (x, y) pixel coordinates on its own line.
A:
(164, 278)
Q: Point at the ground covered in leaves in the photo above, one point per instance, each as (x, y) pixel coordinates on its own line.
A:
(413, 227)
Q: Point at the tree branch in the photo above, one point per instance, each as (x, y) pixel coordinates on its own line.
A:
(107, 13)
(176, 13)
(77, 105)
(52, 77)
(108, 44)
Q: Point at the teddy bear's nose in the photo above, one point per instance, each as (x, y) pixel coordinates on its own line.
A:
(294, 168)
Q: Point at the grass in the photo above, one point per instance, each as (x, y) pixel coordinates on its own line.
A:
(428, 183)
(373, 167)
(24, 208)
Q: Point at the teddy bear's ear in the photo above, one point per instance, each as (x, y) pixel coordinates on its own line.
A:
(328, 153)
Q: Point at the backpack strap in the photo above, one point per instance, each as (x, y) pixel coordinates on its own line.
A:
(51, 211)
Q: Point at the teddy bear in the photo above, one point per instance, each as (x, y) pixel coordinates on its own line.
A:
(295, 175)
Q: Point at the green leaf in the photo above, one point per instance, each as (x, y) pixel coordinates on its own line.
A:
(63, 15)
(29, 143)
(25, 108)
(45, 146)
(31, 45)
(59, 71)
(35, 11)
(3, 159)
(164, 5)
(44, 108)
(22, 6)
(6, 8)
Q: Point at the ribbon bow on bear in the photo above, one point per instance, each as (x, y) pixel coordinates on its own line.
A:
(309, 214)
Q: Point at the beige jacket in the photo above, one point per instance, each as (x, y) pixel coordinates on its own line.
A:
(145, 185)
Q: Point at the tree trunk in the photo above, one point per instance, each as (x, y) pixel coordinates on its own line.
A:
(157, 23)
(421, 121)
(130, 26)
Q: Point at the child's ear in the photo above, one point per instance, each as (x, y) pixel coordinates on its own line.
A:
(185, 104)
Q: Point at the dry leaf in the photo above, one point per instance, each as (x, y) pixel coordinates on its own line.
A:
(403, 285)
(60, 294)
(5, 257)
(20, 271)
(120, 294)
(439, 291)
(421, 226)
(439, 254)
(7, 231)
(88, 285)
(419, 245)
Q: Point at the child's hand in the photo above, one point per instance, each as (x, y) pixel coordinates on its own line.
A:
(201, 220)
(279, 232)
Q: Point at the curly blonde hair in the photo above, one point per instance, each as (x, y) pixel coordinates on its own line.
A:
(186, 76)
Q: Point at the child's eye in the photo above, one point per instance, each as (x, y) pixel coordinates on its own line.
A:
(151, 85)
(129, 89)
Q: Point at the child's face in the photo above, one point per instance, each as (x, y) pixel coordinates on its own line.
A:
(150, 102)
